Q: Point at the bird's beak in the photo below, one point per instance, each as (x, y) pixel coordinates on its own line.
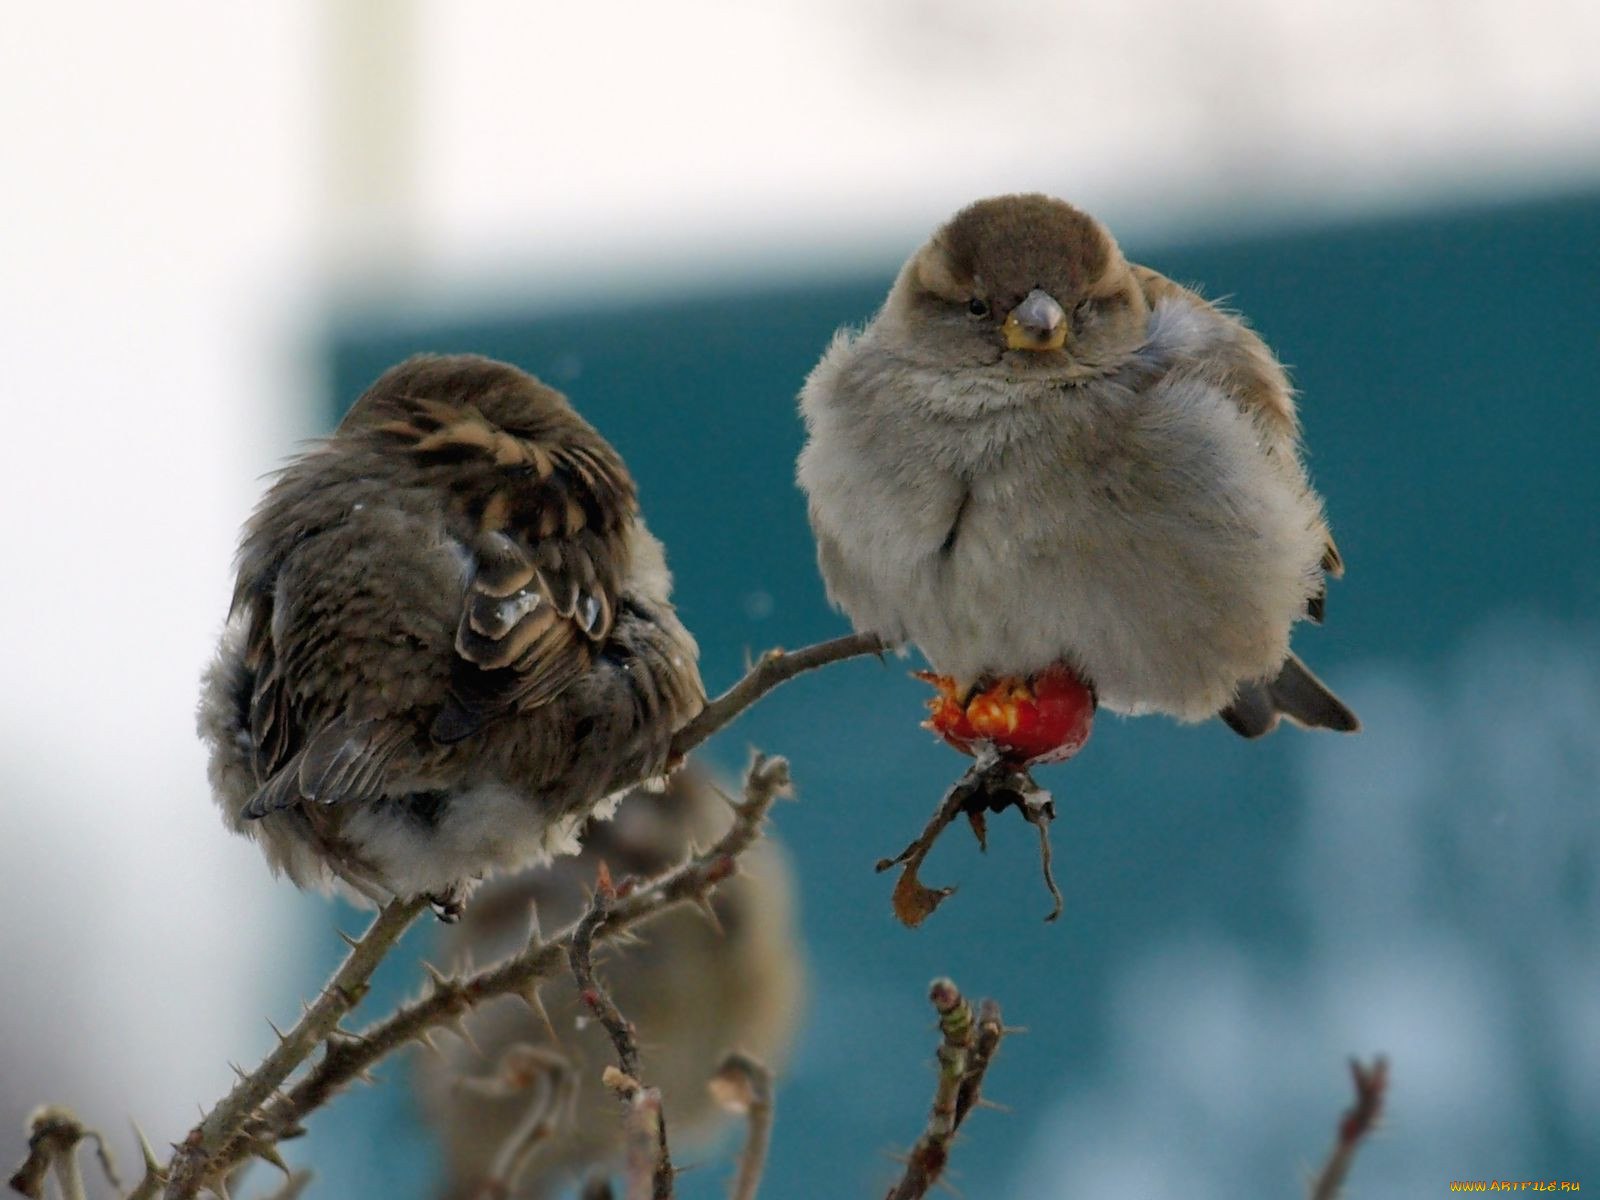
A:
(1038, 323)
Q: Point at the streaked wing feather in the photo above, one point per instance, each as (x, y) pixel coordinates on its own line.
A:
(549, 509)
(343, 762)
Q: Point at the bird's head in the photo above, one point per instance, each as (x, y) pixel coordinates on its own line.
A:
(1027, 283)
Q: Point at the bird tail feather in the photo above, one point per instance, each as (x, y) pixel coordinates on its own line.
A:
(1297, 694)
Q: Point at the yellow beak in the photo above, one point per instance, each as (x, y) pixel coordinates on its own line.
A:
(1038, 323)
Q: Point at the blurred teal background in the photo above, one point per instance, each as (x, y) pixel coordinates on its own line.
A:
(1239, 917)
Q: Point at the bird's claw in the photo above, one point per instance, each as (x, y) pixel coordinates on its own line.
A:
(448, 905)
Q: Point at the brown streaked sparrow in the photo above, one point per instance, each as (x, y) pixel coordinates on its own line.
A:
(451, 641)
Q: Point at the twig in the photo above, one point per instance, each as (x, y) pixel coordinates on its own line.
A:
(984, 1046)
(69, 1174)
(1371, 1084)
(965, 1053)
(929, 1155)
(54, 1135)
(771, 669)
(649, 1172)
(349, 1056)
(522, 1066)
(595, 997)
(743, 1085)
(554, 1086)
(213, 1146)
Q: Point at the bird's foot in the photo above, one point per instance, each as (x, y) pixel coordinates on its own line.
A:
(1044, 718)
(449, 904)
(991, 785)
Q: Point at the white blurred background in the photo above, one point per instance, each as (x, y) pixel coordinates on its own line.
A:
(191, 187)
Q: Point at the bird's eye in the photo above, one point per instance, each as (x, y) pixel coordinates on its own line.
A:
(1084, 308)
(978, 307)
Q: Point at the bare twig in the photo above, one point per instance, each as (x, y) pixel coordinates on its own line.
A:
(554, 1087)
(1371, 1084)
(28, 1179)
(649, 1170)
(201, 1157)
(771, 669)
(965, 1052)
(346, 1057)
(521, 1067)
(54, 1135)
(743, 1085)
(69, 1175)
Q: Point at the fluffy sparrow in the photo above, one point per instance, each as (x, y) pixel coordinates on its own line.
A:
(695, 992)
(451, 641)
(1039, 457)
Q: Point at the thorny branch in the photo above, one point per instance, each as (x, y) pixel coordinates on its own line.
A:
(347, 1056)
(595, 997)
(649, 1160)
(230, 1123)
(238, 1127)
(967, 1049)
(984, 1047)
(263, 1108)
(1371, 1085)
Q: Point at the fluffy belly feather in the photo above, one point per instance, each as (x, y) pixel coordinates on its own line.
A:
(1166, 573)
(1154, 626)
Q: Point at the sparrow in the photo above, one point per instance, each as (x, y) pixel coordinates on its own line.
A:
(451, 641)
(1040, 460)
(694, 988)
